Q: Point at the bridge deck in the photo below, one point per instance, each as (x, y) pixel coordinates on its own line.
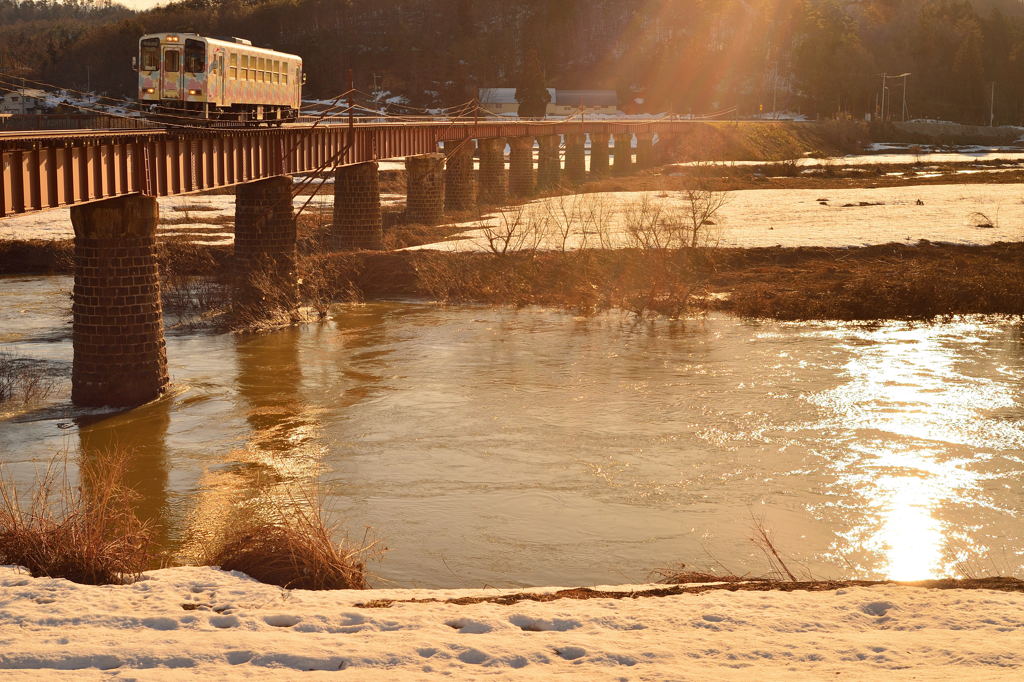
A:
(51, 169)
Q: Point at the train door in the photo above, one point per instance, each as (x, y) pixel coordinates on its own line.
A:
(170, 77)
(223, 80)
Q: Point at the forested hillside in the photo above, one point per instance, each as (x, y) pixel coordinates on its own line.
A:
(819, 57)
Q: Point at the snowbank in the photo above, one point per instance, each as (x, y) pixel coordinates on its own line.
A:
(891, 154)
(801, 217)
(202, 623)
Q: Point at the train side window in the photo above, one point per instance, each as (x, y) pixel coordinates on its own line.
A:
(150, 57)
(172, 61)
(277, 71)
(195, 56)
(245, 67)
(233, 67)
(284, 74)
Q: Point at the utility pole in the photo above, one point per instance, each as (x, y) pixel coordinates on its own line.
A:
(992, 107)
(885, 77)
(904, 76)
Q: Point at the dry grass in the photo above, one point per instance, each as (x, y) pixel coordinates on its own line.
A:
(893, 282)
(295, 549)
(584, 282)
(36, 256)
(86, 534)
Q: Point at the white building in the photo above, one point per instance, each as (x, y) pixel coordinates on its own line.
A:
(23, 101)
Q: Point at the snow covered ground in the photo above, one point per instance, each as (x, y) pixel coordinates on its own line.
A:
(211, 215)
(802, 217)
(896, 154)
(202, 623)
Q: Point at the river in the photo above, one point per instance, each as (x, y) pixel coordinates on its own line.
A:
(489, 446)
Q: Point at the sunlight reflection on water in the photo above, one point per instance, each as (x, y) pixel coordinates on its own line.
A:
(909, 398)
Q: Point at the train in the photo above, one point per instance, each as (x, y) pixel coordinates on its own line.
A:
(188, 78)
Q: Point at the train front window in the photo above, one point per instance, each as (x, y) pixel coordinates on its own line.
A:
(195, 56)
(150, 55)
(172, 61)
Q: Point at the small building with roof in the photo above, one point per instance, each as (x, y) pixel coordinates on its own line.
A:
(502, 101)
(24, 101)
(567, 102)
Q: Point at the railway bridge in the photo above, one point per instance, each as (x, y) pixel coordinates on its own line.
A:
(111, 178)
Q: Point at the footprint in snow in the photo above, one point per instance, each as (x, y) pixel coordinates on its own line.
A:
(473, 657)
(877, 608)
(571, 653)
(160, 623)
(469, 627)
(281, 620)
(224, 622)
(541, 625)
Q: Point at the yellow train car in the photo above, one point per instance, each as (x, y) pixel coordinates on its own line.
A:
(217, 79)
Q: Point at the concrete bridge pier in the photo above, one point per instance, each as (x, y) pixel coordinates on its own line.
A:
(576, 158)
(520, 172)
(117, 329)
(549, 162)
(645, 151)
(357, 217)
(623, 162)
(425, 189)
(266, 278)
(599, 155)
(493, 185)
(459, 193)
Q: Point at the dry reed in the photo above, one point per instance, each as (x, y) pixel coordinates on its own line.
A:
(86, 534)
(294, 549)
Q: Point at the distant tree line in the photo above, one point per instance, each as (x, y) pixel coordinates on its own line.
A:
(823, 58)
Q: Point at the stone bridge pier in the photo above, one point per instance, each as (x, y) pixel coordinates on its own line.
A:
(576, 158)
(425, 189)
(493, 182)
(645, 151)
(117, 328)
(459, 189)
(521, 182)
(599, 155)
(265, 267)
(623, 153)
(358, 223)
(549, 162)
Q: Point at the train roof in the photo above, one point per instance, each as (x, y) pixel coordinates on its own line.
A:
(234, 43)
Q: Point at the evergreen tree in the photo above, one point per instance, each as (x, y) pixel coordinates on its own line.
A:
(531, 90)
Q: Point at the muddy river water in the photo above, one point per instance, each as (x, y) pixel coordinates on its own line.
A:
(497, 447)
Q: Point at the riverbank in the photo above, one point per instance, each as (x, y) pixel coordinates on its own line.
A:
(889, 281)
(201, 622)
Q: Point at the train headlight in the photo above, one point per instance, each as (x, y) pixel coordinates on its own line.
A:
(149, 91)
(172, 39)
(195, 92)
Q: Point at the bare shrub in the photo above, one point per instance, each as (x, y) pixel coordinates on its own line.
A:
(24, 380)
(325, 279)
(193, 281)
(86, 534)
(517, 228)
(702, 207)
(294, 549)
(653, 225)
(983, 220)
(762, 539)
